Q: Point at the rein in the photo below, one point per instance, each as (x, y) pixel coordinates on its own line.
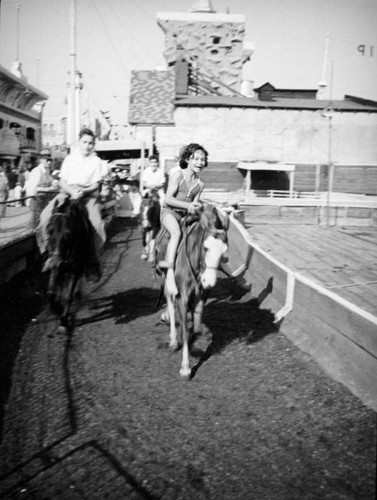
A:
(194, 273)
(200, 244)
(60, 214)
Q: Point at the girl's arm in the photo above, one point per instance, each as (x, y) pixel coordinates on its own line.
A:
(197, 197)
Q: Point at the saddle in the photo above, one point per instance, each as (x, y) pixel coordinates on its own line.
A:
(163, 237)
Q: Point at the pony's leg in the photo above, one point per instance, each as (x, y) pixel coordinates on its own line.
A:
(51, 291)
(185, 370)
(144, 253)
(165, 315)
(151, 249)
(170, 306)
(147, 244)
(198, 313)
(67, 319)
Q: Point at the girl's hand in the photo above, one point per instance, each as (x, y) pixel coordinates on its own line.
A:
(194, 206)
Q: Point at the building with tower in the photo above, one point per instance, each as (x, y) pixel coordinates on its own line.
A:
(21, 107)
(201, 97)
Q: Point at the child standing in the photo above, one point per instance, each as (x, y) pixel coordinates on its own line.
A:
(4, 191)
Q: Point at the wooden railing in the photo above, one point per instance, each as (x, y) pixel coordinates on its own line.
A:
(277, 197)
(19, 217)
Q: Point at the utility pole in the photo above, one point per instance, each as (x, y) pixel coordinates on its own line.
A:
(71, 115)
(322, 84)
(78, 88)
(330, 164)
(18, 32)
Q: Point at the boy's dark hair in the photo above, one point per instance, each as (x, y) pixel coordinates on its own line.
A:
(86, 131)
(153, 157)
(188, 151)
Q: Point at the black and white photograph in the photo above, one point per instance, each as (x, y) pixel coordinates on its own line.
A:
(188, 249)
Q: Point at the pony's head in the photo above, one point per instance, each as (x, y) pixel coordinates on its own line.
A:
(215, 243)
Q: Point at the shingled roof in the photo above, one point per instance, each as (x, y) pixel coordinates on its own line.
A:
(152, 97)
(350, 103)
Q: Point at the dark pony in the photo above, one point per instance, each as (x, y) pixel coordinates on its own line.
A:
(203, 245)
(71, 256)
(150, 210)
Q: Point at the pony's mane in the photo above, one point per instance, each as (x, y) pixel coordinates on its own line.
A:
(69, 232)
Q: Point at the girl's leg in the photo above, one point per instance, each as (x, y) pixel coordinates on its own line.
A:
(41, 231)
(172, 225)
(94, 213)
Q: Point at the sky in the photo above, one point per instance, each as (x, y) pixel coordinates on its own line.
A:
(115, 37)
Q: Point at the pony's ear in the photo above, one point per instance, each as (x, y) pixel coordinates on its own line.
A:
(223, 219)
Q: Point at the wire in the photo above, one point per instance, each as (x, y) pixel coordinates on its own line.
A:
(115, 48)
(128, 29)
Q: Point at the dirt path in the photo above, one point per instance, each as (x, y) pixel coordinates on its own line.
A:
(102, 413)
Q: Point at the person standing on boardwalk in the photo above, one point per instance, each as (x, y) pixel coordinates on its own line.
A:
(40, 176)
(4, 190)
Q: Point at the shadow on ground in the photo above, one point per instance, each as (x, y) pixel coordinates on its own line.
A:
(21, 300)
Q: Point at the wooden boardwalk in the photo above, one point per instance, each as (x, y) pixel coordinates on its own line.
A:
(343, 259)
(17, 223)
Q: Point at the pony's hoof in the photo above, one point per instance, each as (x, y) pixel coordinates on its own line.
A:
(62, 329)
(174, 346)
(185, 373)
(165, 318)
(143, 256)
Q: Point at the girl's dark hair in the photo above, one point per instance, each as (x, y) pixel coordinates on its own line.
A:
(188, 151)
(86, 131)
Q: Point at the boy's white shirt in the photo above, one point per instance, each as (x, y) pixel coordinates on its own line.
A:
(153, 178)
(81, 171)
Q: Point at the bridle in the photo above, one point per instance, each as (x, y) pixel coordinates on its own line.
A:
(216, 233)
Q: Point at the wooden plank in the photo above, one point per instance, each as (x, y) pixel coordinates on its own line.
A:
(347, 319)
(339, 334)
(339, 357)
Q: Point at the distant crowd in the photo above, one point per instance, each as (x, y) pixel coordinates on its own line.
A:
(19, 183)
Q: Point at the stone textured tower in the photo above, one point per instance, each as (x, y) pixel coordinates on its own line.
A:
(212, 43)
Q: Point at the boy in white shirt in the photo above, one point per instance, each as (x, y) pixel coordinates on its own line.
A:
(153, 178)
(80, 177)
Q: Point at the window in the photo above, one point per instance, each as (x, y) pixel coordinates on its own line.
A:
(16, 127)
(30, 134)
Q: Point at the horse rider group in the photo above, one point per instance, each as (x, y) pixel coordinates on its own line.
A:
(80, 178)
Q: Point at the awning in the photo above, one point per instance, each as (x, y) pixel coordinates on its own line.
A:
(265, 165)
(122, 145)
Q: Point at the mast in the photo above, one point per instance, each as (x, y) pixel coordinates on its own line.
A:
(330, 167)
(18, 32)
(71, 116)
(322, 84)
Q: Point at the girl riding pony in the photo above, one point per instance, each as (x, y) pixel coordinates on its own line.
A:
(182, 196)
